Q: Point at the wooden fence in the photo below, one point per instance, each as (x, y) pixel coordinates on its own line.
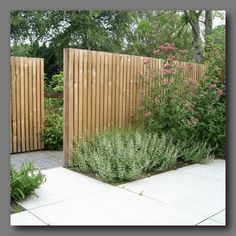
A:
(27, 104)
(101, 90)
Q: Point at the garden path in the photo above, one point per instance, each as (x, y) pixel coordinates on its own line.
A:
(191, 195)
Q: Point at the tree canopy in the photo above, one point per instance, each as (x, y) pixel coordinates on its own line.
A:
(46, 33)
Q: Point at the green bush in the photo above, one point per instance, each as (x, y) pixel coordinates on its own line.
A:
(57, 82)
(53, 131)
(184, 108)
(195, 152)
(24, 181)
(209, 111)
(168, 106)
(209, 104)
(53, 127)
(124, 155)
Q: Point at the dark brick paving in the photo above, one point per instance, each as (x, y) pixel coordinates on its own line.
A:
(40, 159)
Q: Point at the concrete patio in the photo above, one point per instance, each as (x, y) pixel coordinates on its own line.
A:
(192, 195)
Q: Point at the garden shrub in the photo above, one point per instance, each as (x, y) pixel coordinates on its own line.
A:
(210, 101)
(24, 181)
(209, 111)
(195, 152)
(184, 108)
(124, 155)
(168, 106)
(53, 127)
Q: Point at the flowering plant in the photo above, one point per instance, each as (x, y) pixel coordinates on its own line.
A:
(168, 105)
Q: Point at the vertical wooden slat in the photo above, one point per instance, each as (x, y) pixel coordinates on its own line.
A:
(34, 84)
(121, 89)
(42, 100)
(93, 92)
(31, 123)
(113, 107)
(102, 60)
(109, 104)
(66, 107)
(89, 81)
(131, 84)
(10, 119)
(138, 81)
(117, 89)
(135, 84)
(98, 95)
(76, 90)
(26, 85)
(124, 90)
(127, 91)
(80, 110)
(38, 85)
(71, 102)
(85, 91)
(18, 101)
(105, 89)
(13, 95)
(22, 104)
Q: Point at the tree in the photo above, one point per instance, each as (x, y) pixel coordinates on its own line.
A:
(208, 25)
(192, 17)
(55, 30)
(152, 28)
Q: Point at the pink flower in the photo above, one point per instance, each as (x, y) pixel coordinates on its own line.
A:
(219, 91)
(168, 47)
(212, 86)
(168, 71)
(146, 60)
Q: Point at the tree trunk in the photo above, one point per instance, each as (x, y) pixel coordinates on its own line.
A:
(192, 18)
(208, 26)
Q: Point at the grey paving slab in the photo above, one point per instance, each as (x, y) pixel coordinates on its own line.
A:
(62, 184)
(25, 218)
(41, 159)
(201, 192)
(210, 222)
(179, 197)
(220, 217)
(114, 207)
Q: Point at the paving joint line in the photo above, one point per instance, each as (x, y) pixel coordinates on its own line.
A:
(37, 217)
(208, 218)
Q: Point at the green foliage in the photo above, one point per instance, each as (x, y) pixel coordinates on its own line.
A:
(53, 127)
(195, 152)
(210, 100)
(24, 181)
(209, 111)
(53, 131)
(124, 155)
(168, 107)
(183, 108)
(154, 27)
(55, 30)
(16, 208)
(57, 82)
